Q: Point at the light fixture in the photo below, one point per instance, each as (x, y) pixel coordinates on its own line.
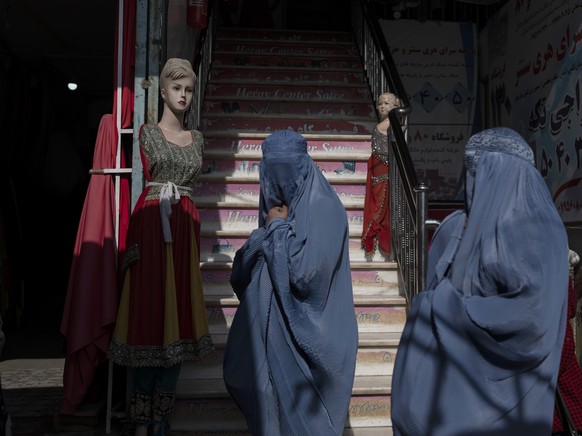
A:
(72, 83)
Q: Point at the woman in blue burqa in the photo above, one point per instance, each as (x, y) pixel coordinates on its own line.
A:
(481, 347)
(291, 352)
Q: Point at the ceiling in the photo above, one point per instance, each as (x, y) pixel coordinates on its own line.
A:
(76, 38)
(72, 38)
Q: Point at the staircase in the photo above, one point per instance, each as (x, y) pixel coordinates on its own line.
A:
(310, 82)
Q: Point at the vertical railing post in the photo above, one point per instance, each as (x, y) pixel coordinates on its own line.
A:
(421, 235)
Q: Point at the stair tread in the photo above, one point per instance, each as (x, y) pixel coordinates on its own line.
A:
(275, 68)
(365, 339)
(312, 62)
(283, 34)
(293, 40)
(363, 265)
(352, 179)
(241, 204)
(317, 156)
(245, 233)
(215, 387)
(309, 136)
(349, 431)
(359, 300)
(286, 116)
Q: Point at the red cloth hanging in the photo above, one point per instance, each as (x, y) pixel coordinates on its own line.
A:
(92, 297)
(93, 292)
(128, 65)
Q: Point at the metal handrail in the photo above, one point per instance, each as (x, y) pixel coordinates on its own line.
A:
(202, 63)
(408, 195)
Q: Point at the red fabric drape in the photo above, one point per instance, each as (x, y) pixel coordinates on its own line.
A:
(91, 303)
(128, 66)
(93, 292)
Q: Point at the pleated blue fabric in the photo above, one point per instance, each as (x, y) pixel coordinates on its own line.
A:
(291, 351)
(481, 347)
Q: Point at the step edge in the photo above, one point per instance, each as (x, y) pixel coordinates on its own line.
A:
(354, 265)
(332, 117)
(364, 385)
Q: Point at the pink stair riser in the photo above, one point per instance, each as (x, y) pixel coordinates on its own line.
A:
(217, 249)
(268, 48)
(371, 279)
(283, 35)
(274, 92)
(288, 77)
(380, 319)
(314, 147)
(247, 219)
(317, 63)
(269, 125)
(229, 168)
(249, 192)
(289, 108)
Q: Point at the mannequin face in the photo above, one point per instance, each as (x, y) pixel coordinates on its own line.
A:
(386, 102)
(177, 94)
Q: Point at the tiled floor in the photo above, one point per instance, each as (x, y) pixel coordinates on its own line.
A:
(31, 368)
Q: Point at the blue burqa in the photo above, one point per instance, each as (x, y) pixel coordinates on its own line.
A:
(481, 348)
(291, 352)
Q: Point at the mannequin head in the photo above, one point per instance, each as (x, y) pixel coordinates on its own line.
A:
(177, 81)
(386, 102)
(175, 69)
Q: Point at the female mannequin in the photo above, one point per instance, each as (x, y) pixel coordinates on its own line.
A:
(376, 230)
(162, 319)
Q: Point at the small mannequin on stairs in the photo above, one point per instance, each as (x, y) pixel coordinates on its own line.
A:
(376, 230)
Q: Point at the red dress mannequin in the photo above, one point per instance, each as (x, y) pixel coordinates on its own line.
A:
(376, 230)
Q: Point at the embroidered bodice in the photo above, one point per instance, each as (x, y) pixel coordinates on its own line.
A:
(380, 145)
(168, 162)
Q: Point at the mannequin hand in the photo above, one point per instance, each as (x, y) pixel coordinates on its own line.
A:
(277, 212)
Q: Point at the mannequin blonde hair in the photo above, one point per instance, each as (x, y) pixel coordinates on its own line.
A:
(175, 69)
(393, 96)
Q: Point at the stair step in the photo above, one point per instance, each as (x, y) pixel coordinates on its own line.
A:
(285, 48)
(320, 126)
(247, 171)
(220, 300)
(238, 220)
(356, 148)
(389, 297)
(370, 286)
(235, 203)
(285, 76)
(239, 34)
(361, 431)
(219, 233)
(370, 362)
(224, 248)
(369, 387)
(307, 62)
(359, 266)
(369, 318)
(260, 117)
(366, 339)
(195, 416)
(359, 93)
(225, 106)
